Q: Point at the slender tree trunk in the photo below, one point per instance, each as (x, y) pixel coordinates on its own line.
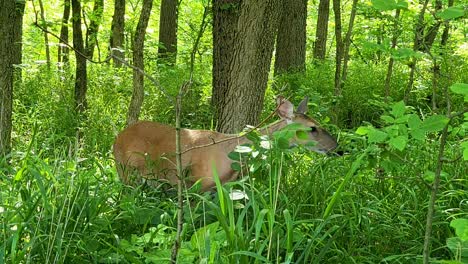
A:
(347, 43)
(63, 50)
(339, 45)
(138, 78)
(418, 35)
(92, 32)
(18, 40)
(7, 31)
(167, 50)
(81, 82)
(321, 33)
(46, 36)
(291, 39)
(241, 62)
(118, 27)
(431, 33)
(396, 33)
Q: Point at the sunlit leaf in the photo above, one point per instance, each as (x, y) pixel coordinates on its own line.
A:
(434, 123)
(398, 142)
(376, 136)
(461, 228)
(398, 109)
(451, 12)
(384, 5)
(460, 88)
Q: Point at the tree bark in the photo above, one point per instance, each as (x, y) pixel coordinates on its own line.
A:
(418, 36)
(243, 41)
(7, 31)
(431, 33)
(291, 39)
(138, 78)
(321, 33)
(46, 36)
(92, 32)
(18, 40)
(118, 27)
(347, 43)
(167, 50)
(339, 45)
(63, 50)
(396, 33)
(81, 81)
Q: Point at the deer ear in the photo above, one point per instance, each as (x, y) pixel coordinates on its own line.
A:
(285, 108)
(302, 108)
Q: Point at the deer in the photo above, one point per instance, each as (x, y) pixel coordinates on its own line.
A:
(145, 151)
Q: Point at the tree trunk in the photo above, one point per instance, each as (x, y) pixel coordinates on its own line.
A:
(167, 50)
(431, 33)
(243, 41)
(7, 31)
(418, 35)
(92, 32)
(63, 50)
(347, 43)
(321, 33)
(81, 82)
(396, 33)
(291, 39)
(339, 45)
(138, 78)
(18, 40)
(46, 36)
(118, 27)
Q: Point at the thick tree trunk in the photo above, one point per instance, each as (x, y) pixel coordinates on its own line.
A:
(63, 50)
(18, 40)
(339, 45)
(138, 78)
(167, 50)
(92, 32)
(242, 59)
(347, 43)
(321, 34)
(7, 31)
(81, 81)
(396, 33)
(291, 39)
(118, 27)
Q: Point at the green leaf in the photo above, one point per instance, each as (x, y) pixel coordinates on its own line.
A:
(418, 134)
(283, 143)
(362, 131)
(384, 5)
(461, 228)
(376, 136)
(434, 123)
(402, 4)
(464, 145)
(388, 119)
(414, 122)
(451, 12)
(460, 88)
(236, 156)
(398, 142)
(398, 109)
(404, 53)
(236, 166)
(300, 134)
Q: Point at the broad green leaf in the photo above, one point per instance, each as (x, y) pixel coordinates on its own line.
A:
(376, 136)
(236, 166)
(234, 156)
(461, 228)
(460, 88)
(464, 145)
(404, 53)
(434, 123)
(362, 130)
(398, 109)
(402, 4)
(388, 119)
(300, 134)
(398, 142)
(451, 12)
(418, 134)
(283, 143)
(458, 247)
(384, 5)
(414, 122)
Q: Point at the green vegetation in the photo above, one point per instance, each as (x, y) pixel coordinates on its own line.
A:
(61, 200)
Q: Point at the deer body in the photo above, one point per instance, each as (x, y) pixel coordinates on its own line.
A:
(148, 148)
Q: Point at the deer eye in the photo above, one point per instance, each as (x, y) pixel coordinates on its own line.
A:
(313, 129)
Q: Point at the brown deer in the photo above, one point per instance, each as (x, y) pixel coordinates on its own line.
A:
(145, 150)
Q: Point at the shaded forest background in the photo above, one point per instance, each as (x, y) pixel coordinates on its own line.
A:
(388, 78)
